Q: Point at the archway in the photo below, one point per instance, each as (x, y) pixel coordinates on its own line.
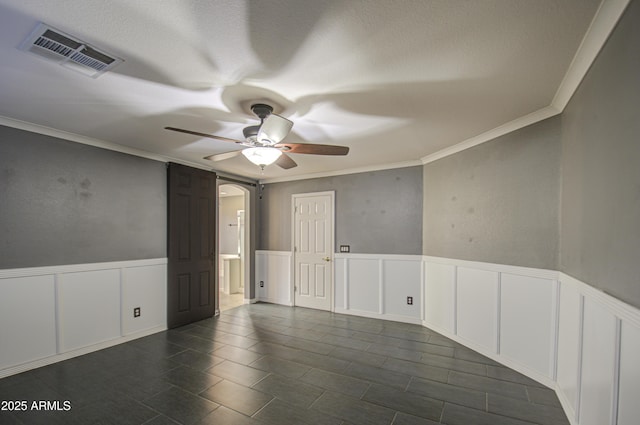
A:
(233, 245)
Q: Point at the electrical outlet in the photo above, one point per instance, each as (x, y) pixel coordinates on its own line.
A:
(345, 248)
(136, 312)
(262, 283)
(410, 300)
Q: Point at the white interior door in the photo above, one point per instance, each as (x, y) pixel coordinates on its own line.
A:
(313, 250)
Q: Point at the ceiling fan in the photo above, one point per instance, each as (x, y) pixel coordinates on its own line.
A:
(263, 144)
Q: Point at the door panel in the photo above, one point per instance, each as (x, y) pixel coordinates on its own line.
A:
(184, 291)
(182, 220)
(191, 267)
(320, 278)
(313, 242)
(320, 236)
(304, 280)
(205, 288)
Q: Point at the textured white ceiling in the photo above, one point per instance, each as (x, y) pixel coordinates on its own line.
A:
(394, 80)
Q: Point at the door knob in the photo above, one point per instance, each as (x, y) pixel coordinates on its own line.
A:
(327, 259)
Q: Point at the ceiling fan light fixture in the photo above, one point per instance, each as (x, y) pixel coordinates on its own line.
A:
(262, 156)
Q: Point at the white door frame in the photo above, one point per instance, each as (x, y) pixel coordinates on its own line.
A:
(294, 197)
(248, 280)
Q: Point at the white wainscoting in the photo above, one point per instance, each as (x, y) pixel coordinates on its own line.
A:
(477, 307)
(629, 390)
(545, 324)
(440, 303)
(273, 277)
(378, 286)
(598, 380)
(507, 313)
(598, 363)
(528, 306)
(569, 344)
(49, 314)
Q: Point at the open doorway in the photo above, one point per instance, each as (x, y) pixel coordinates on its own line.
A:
(233, 245)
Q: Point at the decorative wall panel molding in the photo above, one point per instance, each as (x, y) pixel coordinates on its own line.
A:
(67, 311)
(597, 380)
(379, 286)
(559, 331)
(274, 282)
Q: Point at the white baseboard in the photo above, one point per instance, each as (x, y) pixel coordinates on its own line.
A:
(520, 313)
(566, 405)
(611, 355)
(530, 373)
(276, 301)
(69, 310)
(391, 317)
(79, 352)
(273, 277)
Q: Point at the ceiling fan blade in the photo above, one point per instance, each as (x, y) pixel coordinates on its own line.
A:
(313, 149)
(285, 161)
(196, 133)
(223, 156)
(274, 129)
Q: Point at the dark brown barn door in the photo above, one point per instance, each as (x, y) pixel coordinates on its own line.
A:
(191, 268)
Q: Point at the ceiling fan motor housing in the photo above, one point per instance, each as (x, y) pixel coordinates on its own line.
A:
(251, 131)
(261, 110)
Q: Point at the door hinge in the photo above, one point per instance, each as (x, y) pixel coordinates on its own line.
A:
(295, 289)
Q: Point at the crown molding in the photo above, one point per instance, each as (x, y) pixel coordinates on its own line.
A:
(378, 167)
(602, 25)
(77, 138)
(509, 127)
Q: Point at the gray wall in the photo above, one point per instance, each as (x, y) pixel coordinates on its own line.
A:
(377, 212)
(600, 239)
(561, 194)
(67, 203)
(497, 202)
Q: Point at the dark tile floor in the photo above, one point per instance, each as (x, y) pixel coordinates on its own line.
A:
(269, 364)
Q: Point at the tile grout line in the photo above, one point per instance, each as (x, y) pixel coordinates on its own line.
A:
(259, 380)
(324, 391)
(351, 358)
(406, 388)
(260, 409)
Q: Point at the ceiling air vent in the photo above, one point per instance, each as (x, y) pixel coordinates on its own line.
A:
(68, 51)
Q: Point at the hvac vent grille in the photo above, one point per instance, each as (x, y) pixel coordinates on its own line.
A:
(68, 51)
